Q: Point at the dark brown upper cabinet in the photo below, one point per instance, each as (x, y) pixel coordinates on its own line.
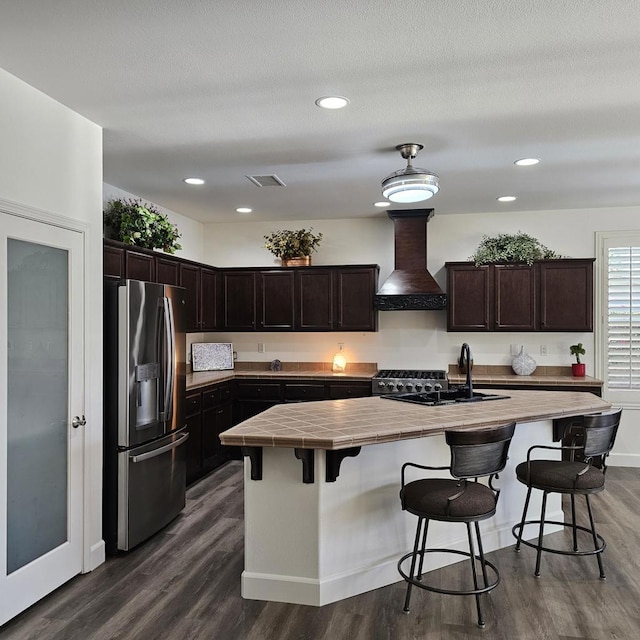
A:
(515, 298)
(469, 297)
(314, 300)
(113, 261)
(355, 288)
(275, 300)
(566, 295)
(239, 300)
(209, 299)
(167, 271)
(202, 296)
(140, 266)
(299, 299)
(550, 295)
(332, 298)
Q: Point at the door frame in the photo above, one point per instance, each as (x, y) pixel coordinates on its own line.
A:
(93, 547)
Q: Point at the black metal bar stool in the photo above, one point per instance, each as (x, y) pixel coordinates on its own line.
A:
(582, 474)
(474, 454)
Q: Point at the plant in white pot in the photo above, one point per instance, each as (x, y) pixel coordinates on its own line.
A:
(577, 368)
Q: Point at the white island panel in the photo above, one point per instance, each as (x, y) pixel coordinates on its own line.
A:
(318, 543)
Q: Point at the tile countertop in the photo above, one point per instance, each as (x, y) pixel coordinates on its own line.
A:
(504, 375)
(359, 372)
(340, 424)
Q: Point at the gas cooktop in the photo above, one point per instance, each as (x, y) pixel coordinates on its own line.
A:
(389, 381)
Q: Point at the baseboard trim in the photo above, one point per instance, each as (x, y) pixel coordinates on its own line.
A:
(623, 460)
(97, 556)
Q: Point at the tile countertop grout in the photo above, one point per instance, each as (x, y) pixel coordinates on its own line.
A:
(340, 424)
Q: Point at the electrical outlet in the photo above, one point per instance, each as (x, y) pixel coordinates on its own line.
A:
(260, 347)
(543, 350)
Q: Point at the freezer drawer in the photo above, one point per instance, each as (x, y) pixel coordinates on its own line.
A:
(151, 488)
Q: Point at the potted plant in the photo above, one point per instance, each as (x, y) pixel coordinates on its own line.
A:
(133, 222)
(517, 247)
(293, 247)
(577, 368)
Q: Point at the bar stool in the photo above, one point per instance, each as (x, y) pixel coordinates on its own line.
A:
(474, 454)
(582, 476)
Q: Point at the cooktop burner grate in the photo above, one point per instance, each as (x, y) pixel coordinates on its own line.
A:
(412, 373)
(389, 381)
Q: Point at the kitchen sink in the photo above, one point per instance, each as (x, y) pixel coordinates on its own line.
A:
(445, 397)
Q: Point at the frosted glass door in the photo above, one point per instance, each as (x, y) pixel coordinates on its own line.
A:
(41, 389)
(38, 303)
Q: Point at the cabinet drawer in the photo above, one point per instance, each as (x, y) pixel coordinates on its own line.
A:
(249, 391)
(303, 391)
(210, 397)
(356, 390)
(193, 404)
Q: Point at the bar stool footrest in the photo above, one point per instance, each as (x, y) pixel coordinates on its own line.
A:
(466, 554)
(534, 545)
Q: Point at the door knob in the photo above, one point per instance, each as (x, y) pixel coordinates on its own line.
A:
(78, 422)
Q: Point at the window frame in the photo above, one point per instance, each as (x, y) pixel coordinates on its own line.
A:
(629, 398)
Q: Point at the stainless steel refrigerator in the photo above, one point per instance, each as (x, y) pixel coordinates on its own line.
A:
(144, 426)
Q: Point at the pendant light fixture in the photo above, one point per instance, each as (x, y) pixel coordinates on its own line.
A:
(410, 184)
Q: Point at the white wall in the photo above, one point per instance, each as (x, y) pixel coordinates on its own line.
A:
(419, 339)
(51, 161)
(191, 231)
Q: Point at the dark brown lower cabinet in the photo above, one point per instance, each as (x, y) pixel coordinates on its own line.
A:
(209, 413)
(194, 443)
(254, 397)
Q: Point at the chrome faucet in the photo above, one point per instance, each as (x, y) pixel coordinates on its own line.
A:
(465, 358)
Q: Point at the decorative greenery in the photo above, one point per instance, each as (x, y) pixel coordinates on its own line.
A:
(505, 247)
(577, 350)
(292, 244)
(133, 222)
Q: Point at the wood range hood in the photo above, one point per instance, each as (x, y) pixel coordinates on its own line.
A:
(410, 286)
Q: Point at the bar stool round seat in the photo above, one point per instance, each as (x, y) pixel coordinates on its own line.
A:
(474, 454)
(593, 442)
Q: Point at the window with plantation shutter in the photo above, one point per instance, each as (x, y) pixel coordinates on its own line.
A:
(623, 317)
(617, 330)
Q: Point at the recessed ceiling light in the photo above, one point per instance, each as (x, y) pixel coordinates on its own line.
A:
(332, 102)
(193, 180)
(527, 162)
(506, 198)
(381, 204)
(244, 210)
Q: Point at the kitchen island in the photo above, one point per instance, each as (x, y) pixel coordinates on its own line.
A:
(322, 514)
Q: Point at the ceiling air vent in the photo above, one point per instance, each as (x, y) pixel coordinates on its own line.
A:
(267, 181)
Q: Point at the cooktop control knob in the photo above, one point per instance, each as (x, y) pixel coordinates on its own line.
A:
(409, 386)
(400, 385)
(428, 387)
(381, 384)
(418, 386)
(437, 386)
(390, 385)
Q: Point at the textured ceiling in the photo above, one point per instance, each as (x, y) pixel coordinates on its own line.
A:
(227, 88)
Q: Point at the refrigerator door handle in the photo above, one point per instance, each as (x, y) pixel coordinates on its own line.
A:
(169, 360)
(157, 452)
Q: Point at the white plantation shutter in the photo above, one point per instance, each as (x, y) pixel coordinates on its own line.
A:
(623, 318)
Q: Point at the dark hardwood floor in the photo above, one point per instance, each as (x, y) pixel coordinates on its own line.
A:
(185, 584)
